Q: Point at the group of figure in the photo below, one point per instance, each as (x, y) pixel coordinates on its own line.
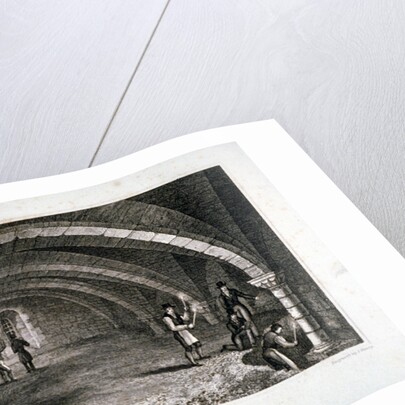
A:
(18, 346)
(241, 326)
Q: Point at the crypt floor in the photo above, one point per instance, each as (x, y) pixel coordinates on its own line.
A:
(125, 369)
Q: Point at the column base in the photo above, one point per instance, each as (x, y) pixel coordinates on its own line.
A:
(328, 349)
(321, 351)
(324, 346)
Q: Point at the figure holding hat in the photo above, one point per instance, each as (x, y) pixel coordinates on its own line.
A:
(179, 326)
(229, 301)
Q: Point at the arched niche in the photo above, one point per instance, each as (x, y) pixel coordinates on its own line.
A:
(18, 321)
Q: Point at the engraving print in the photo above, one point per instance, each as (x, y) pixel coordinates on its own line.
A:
(180, 295)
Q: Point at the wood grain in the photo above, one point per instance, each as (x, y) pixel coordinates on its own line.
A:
(63, 68)
(330, 72)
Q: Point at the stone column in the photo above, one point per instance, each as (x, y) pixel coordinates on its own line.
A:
(277, 285)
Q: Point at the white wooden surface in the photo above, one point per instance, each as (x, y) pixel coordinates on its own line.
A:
(73, 93)
(63, 68)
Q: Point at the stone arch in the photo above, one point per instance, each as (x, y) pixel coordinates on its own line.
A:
(54, 284)
(147, 216)
(80, 266)
(7, 327)
(21, 324)
(37, 272)
(60, 295)
(188, 242)
(94, 273)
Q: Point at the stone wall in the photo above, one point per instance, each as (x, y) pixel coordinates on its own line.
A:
(62, 322)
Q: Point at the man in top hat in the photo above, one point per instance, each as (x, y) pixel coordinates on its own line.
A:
(229, 299)
(179, 326)
(274, 345)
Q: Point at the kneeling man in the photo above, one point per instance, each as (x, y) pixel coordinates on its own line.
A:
(239, 325)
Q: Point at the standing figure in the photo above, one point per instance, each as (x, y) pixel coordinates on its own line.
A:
(5, 371)
(179, 326)
(273, 344)
(238, 327)
(18, 346)
(229, 298)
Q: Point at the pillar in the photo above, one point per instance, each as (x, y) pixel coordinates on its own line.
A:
(279, 288)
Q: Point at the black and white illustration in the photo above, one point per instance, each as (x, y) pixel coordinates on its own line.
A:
(180, 295)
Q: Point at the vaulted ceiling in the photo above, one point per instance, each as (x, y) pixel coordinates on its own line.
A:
(130, 256)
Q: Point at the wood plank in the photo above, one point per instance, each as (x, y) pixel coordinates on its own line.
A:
(63, 68)
(330, 72)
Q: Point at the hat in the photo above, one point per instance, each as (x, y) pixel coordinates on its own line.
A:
(221, 284)
(275, 326)
(167, 305)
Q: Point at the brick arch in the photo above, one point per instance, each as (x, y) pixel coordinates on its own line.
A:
(101, 234)
(63, 296)
(36, 264)
(131, 213)
(66, 272)
(52, 284)
(80, 265)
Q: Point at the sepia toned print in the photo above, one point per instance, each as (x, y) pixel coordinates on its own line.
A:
(180, 295)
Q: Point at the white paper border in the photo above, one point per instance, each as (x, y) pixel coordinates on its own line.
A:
(363, 251)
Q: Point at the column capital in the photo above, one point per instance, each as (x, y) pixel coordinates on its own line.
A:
(276, 283)
(268, 280)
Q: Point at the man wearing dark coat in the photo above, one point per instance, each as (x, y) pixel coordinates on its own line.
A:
(18, 346)
(229, 299)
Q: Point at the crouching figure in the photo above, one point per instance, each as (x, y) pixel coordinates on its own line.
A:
(274, 344)
(240, 325)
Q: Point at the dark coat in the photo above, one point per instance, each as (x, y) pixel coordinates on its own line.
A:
(229, 302)
(18, 346)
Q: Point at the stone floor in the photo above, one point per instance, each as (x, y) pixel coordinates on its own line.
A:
(125, 369)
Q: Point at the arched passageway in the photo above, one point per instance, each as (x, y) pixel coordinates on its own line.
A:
(93, 281)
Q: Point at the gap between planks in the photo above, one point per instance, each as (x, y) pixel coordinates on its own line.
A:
(129, 84)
